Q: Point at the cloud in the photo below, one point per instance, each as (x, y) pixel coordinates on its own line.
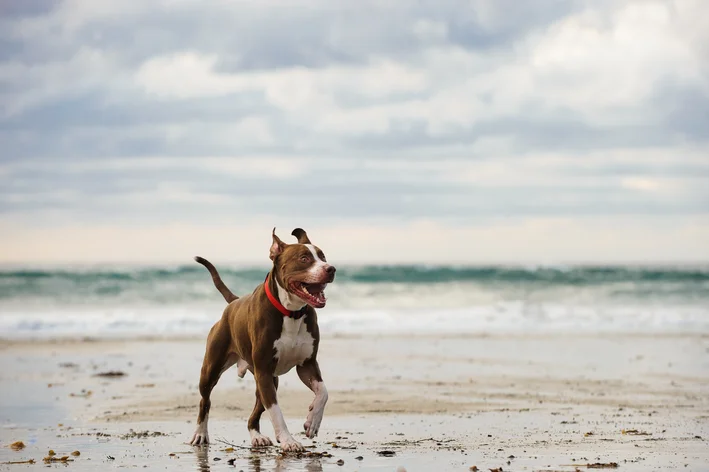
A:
(322, 188)
(181, 112)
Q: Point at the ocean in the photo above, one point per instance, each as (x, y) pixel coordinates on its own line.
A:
(113, 302)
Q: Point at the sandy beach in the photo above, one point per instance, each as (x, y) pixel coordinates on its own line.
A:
(532, 402)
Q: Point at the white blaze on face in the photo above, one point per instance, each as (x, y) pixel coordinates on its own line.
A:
(319, 265)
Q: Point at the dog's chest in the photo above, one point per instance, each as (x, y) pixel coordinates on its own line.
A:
(294, 346)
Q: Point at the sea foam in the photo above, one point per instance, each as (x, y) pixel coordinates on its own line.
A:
(182, 301)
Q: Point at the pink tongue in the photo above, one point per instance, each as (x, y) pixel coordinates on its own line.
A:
(315, 292)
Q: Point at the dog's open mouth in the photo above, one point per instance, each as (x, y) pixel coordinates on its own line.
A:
(312, 294)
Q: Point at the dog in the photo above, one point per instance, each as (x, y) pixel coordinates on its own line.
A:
(269, 332)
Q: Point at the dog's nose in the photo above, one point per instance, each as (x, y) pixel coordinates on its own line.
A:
(330, 270)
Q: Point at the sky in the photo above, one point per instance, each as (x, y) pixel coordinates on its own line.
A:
(484, 131)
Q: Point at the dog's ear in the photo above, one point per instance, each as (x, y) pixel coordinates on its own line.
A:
(301, 235)
(277, 246)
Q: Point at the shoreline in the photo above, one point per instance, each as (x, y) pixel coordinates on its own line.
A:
(439, 396)
(549, 334)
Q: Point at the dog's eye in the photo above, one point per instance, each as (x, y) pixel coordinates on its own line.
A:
(303, 258)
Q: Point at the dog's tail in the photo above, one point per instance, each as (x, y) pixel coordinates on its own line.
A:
(223, 289)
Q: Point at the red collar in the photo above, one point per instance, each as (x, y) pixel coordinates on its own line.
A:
(277, 304)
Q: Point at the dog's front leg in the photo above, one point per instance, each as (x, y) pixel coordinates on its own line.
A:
(267, 392)
(309, 373)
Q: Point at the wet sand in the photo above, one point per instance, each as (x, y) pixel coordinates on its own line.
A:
(553, 402)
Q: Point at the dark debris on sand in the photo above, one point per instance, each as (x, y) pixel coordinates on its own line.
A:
(307, 454)
(142, 434)
(52, 458)
(112, 374)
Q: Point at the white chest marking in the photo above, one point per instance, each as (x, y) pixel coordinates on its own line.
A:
(294, 346)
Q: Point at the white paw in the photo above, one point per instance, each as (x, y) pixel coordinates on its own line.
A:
(291, 445)
(258, 439)
(312, 423)
(199, 438)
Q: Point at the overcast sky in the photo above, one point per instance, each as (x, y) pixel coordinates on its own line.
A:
(444, 131)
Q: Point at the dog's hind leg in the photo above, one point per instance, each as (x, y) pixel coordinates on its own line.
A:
(216, 360)
(258, 439)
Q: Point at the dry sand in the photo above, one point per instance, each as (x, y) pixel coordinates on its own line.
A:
(551, 402)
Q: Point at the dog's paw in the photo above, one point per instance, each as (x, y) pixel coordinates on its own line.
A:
(289, 444)
(199, 438)
(312, 424)
(258, 439)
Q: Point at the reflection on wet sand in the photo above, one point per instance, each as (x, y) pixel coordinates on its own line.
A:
(259, 462)
(202, 455)
(309, 464)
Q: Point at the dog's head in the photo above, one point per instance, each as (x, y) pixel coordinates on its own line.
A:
(302, 268)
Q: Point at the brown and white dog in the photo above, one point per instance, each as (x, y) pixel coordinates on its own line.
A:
(269, 332)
